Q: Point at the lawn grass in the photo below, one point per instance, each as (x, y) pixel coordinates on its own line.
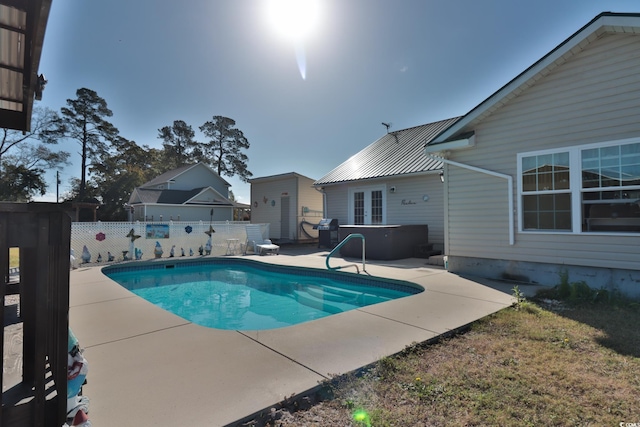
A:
(559, 364)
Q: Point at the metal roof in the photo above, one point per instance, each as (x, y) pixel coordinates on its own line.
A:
(396, 153)
(22, 27)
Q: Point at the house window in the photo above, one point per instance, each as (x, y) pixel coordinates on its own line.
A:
(582, 189)
(546, 198)
(367, 205)
(611, 188)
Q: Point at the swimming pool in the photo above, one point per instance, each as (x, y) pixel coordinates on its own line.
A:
(240, 294)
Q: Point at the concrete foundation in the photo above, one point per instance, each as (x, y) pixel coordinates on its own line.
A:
(626, 282)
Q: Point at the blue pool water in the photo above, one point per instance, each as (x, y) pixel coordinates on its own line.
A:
(248, 295)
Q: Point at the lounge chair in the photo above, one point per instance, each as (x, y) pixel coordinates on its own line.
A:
(259, 244)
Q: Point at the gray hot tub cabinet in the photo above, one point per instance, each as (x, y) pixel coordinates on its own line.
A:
(384, 242)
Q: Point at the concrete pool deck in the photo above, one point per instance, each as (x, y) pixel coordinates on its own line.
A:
(148, 367)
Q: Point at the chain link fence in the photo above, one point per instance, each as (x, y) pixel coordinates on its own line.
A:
(103, 242)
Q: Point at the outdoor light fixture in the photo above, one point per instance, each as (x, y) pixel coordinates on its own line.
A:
(441, 176)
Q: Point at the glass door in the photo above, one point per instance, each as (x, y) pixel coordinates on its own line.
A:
(367, 206)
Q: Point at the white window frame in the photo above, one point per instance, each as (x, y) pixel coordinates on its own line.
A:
(575, 186)
(367, 190)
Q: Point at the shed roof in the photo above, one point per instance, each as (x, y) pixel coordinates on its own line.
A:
(22, 28)
(396, 153)
(604, 23)
(278, 177)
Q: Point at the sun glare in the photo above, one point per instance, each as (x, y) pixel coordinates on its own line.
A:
(295, 20)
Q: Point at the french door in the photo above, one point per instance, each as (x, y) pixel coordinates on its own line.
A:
(367, 205)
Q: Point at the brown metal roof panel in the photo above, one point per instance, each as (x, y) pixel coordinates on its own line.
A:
(11, 49)
(12, 16)
(22, 28)
(11, 89)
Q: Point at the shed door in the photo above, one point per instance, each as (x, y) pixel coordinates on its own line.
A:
(284, 218)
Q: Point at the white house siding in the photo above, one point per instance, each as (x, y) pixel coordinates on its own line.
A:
(404, 207)
(593, 97)
(337, 202)
(407, 206)
(179, 213)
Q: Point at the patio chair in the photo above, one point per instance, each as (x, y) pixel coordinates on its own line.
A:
(257, 243)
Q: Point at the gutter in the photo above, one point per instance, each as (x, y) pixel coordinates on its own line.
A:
(492, 173)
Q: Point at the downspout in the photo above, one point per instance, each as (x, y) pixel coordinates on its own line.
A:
(324, 200)
(492, 173)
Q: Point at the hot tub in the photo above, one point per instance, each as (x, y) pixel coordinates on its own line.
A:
(384, 242)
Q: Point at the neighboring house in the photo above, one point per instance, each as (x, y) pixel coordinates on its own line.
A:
(390, 182)
(188, 193)
(289, 204)
(542, 179)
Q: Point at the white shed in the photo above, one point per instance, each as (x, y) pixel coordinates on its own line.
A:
(390, 184)
(289, 204)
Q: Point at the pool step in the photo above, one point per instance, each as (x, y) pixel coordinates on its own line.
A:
(360, 298)
(309, 300)
(326, 294)
(345, 296)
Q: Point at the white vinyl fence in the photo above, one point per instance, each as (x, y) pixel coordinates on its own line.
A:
(102, 242)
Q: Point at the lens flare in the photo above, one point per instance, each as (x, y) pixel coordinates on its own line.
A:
(295, 21)
(301, 58)
(361, 416)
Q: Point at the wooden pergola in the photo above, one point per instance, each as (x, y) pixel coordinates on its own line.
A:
(41, 232)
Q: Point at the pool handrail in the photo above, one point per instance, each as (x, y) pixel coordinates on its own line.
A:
(346, 239)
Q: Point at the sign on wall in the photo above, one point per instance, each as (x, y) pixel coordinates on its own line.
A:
(157, 231)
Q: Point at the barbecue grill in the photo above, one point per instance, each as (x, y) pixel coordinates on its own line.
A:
(327, 232)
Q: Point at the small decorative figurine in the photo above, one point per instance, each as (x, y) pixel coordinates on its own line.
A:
(86, 256)
(158, 250)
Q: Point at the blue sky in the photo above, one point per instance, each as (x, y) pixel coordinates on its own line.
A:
(408, 62)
